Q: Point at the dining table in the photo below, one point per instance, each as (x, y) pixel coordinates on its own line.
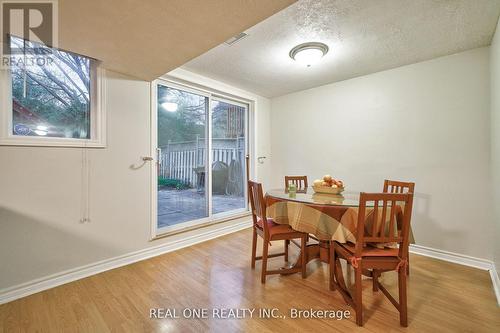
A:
(325, 217)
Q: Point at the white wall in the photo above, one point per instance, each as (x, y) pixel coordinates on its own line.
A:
(426, 122)
(495, 136)
(40, 193)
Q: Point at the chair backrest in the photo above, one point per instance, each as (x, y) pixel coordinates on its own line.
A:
(257, 203)
(383, 227)
(299, 181)
(394, 186)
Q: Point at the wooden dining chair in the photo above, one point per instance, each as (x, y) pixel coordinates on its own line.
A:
(395, 186)
(376, 229)
(271, 231)
(299, 181)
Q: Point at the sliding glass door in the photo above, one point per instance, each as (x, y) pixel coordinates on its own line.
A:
(228, 155)
(202, 144)
(181, 156)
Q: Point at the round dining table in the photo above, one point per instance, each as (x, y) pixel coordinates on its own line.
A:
(324, 216)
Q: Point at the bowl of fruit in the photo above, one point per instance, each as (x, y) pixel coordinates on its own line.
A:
(328, 185)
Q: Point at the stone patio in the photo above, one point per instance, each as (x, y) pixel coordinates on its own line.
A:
(177, 206)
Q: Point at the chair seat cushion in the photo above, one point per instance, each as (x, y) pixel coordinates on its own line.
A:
(275, 228)
(370, 251)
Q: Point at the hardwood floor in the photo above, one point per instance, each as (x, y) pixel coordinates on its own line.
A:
(443, 297)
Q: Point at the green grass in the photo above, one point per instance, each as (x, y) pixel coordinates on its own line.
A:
(172, 183)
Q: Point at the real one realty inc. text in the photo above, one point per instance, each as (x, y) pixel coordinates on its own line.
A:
(246, 313)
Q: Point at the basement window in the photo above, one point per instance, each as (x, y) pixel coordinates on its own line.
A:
(50, 97)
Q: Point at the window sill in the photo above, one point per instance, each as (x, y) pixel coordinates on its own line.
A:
(51, 142)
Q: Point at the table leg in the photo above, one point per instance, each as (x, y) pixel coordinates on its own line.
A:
(321, 251)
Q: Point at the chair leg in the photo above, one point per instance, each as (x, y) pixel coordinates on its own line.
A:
(264, 260)
(408, 260)
(340, 282)
(403, 307)
(358, 292)
(303, 256)
(375, 275)
(254, 247)
(332, 267)
(287, 243)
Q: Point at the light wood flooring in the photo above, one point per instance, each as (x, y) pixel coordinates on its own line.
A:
(443, 297)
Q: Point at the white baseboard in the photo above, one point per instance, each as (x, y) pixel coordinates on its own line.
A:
(451, 257)
(495, 279)
(51, 281)
(483, 264)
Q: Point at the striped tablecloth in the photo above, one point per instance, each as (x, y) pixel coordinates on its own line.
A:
(326, 222)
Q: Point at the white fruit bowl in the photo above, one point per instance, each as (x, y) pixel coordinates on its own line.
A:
(328, 190)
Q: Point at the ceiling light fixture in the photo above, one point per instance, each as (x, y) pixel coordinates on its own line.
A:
(40, 132)
(170, 106)
(308, 53)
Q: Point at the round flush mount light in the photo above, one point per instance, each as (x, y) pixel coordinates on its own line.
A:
(308, 53)
(170, 106)
(41, 130)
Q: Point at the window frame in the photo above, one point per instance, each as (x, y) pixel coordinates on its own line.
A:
(225, 95)
(97, 115)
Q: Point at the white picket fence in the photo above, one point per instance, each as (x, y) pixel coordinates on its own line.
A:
(182, 160)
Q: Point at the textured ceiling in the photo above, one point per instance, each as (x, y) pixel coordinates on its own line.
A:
(364, 36)
(147, 38)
